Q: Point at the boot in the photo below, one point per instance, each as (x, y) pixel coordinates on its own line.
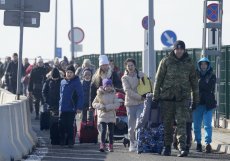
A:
(187, 148)
(208, 148)
(199, 147)
(167, 151)
(182, 153)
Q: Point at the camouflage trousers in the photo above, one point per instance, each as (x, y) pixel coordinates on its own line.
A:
(179, 111)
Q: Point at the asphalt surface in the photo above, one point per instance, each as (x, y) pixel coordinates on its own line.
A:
(89, 152)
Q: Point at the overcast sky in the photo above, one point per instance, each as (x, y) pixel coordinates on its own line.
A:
(123, 29)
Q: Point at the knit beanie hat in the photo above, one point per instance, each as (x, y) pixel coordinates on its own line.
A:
(55, 73)
(103, 59)
(179, 45)
(70, 67)
(107, 82)
(87, 70)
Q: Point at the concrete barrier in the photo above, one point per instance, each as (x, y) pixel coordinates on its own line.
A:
(9, 147)
(16, 135)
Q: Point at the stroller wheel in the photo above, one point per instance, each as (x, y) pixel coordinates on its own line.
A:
(126, 142)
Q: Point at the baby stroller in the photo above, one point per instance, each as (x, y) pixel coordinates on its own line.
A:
(121, 125)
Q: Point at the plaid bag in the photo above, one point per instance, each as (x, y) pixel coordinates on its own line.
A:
(150, 140)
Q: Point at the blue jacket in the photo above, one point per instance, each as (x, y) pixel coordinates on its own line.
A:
(71, 95)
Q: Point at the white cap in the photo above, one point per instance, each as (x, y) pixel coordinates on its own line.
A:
(103, 59)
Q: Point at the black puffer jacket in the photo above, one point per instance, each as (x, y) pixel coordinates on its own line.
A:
(37, 79)
(51, 92)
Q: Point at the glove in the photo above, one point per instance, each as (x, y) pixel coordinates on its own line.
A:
(143, 96)
(45, 107)
(154, 104)
(193, 106)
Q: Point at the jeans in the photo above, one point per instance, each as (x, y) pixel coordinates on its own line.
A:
(202, 114)
(104, 130)
(133, 113)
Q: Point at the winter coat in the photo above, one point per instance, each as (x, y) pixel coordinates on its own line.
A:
(130, 84)
(94, 85)
(12, 70)
(51, 92)
(71, 95)
(176, 79)
(207, 82)
(37, 79)
(86, 90)
(110, 102)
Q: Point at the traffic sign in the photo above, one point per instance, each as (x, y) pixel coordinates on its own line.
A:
(168, 38)
(78, 35)
(29, 5)
(58, 52)
(31, 19)
(212, 12)
(212, 37)
(145, 22)
(77, 47)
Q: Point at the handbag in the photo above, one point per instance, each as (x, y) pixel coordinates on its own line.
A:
(144, 86)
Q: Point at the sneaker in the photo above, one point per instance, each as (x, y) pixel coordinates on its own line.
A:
(110, 148)
(182, 153)
(208, 148)
(132, 147)
(167, 151)
(102, 147)
(199, 148)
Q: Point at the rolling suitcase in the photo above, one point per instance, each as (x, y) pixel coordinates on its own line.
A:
(45, 120)
(54, 130)
(88, 132)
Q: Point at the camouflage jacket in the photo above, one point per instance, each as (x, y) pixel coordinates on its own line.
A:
(176, 79)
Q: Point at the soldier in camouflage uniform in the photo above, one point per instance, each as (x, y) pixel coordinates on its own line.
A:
(175, 80)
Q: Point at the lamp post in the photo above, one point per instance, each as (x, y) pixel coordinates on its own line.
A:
(55, 29)
(72, 30)
(151, 52)
(102, 29)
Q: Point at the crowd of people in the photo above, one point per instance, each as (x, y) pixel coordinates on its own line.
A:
(185, 93)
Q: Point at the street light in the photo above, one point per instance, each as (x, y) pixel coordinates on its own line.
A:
(72, 30)
(151, 52)
(55, 29)
(102, 29)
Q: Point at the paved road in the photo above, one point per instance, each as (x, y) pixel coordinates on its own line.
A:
(89, 152)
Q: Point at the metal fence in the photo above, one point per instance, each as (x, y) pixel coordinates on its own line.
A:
(119, 59)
